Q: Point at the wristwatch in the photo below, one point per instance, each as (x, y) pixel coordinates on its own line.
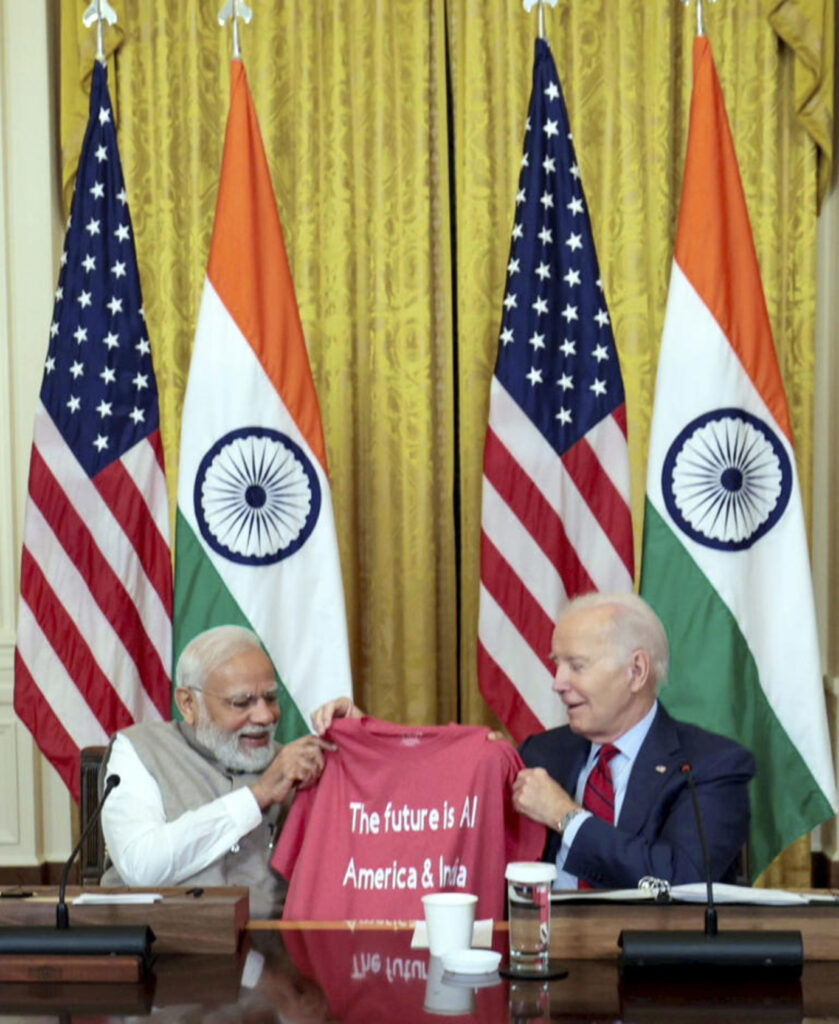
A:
(567, 818)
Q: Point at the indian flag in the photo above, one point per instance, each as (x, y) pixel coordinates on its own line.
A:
(725, 560)
(255, 533)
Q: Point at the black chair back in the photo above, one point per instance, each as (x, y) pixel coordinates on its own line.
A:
(92, 854)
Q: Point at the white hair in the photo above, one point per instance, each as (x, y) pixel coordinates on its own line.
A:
(634, 625)
(209, 651)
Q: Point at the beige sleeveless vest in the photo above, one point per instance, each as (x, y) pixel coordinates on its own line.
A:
(188, 777)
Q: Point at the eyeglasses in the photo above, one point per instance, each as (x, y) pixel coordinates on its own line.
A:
(244, 701)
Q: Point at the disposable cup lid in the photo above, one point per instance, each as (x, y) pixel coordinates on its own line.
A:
(450, 899)
(471, 961)
(530, 872)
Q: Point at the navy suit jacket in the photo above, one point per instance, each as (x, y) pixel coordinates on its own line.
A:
(656, 832)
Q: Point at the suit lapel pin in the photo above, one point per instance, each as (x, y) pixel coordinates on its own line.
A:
(661, 768)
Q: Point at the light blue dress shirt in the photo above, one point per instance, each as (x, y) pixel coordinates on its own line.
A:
(621, 764)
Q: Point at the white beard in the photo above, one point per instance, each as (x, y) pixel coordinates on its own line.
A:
(226, 749)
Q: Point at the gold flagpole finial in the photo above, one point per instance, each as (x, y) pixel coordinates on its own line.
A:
(99, 12)
(530, 4)
(233, 10)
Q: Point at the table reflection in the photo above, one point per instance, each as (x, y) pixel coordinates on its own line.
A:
(371, 976)
(364, 976)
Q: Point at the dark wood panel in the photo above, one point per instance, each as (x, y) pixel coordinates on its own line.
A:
(52, 970)
(589, 931)
(211, 923)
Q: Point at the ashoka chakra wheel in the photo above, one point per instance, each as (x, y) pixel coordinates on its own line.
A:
(726, 479)
(257, 496)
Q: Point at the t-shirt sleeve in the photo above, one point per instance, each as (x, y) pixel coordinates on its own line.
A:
(524, 838)
(290, 843)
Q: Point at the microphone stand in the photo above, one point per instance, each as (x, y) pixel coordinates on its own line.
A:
(85, 940)
(710, 909)
(62, 917)
(742, 952)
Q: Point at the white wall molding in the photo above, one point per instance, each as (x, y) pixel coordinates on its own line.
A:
(35, 813)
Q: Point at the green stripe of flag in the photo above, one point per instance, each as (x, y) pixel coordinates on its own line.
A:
(202, 601)
(713, 682)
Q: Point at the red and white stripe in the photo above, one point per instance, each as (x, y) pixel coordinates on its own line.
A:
(95, 625)
(552, 528)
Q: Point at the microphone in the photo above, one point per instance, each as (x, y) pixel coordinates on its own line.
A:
(746, 952)
(62, 919)
(87, 940)
(710, 909)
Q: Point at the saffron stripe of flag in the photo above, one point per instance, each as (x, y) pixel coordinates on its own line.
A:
(94, 625)
(555, 515)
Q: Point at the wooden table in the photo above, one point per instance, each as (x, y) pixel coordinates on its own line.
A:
(210, 923)
(589, 931)
(368, 976)
(361, 974)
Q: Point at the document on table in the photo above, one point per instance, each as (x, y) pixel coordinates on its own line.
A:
(696, 892)
(101, 898)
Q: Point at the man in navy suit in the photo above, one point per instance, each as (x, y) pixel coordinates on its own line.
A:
(611, 656)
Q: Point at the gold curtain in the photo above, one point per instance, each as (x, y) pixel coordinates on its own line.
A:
(352, 106)
(388, 253)
(807, 26)
(626, 73)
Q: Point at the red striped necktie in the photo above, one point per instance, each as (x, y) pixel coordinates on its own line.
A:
(599, 794)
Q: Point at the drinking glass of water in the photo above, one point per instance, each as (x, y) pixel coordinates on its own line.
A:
(529, 911)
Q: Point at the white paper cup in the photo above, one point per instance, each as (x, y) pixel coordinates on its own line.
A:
(449, 917)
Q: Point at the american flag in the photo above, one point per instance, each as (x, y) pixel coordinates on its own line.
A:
(95, 617)
(555, 518)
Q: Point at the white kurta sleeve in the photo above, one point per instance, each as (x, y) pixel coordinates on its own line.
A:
(149, 850)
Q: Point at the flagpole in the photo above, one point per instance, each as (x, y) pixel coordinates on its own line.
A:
(99, 11)
(233, 10)
(530, 4)
(700, 22)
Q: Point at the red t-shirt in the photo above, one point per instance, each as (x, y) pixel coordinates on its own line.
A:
(401, 811)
